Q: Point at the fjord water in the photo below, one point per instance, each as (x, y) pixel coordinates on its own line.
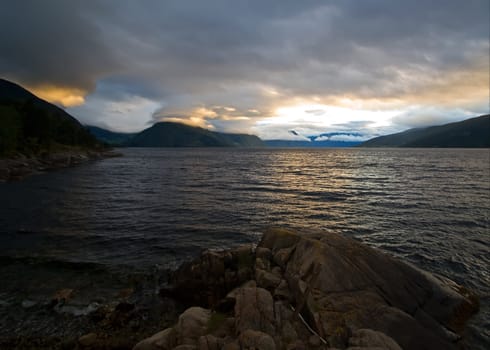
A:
(100, 227)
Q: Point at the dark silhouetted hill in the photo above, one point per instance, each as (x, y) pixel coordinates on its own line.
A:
(30, 125)
(169, 134)
(110, 137)
(469, 133)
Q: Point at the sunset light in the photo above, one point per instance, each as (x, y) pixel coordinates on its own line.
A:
(66, 97)
(245, 174)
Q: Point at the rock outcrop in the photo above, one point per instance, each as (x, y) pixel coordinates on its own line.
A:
(312, 291)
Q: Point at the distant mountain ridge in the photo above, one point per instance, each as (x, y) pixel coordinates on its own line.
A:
(170, 134)
(469, 133)
(108, 137)
(310, 144)
(30, 125)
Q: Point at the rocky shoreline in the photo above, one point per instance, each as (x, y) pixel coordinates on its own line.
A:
(21, 166)
(294, 290)
(312, 291)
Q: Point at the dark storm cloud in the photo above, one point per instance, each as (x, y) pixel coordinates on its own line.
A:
(245, 55)
(55, 42)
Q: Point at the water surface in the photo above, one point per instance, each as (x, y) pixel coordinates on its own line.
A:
(99, 227)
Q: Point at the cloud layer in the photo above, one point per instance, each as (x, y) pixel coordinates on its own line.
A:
(370, 66)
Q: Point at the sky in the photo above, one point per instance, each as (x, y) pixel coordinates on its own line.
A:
(283, 69)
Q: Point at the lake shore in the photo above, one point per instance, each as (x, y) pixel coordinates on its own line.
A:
(312, 290)
(307, 290)
(21, 166)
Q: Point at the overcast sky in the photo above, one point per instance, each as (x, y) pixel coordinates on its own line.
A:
(364, 67)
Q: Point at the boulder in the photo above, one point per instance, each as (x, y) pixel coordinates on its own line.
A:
(282, 291)
(263, 253)
(327, 289)
(262, 264)
(367, 338)
(164, 340)
(210, 342)
(254, 309)
(213, 274)
(192, 324)
(185, 347)
(341, 286)
(266, 279)
(87, 340)
(256, 340)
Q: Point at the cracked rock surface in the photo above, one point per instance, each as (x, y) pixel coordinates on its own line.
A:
(312, 291)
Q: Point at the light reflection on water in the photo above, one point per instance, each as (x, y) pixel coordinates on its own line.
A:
(153, 207)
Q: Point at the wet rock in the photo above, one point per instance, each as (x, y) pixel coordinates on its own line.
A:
(266, 279)
(262, 264)
(99, 313)
(251, 339)
(282, 256)
(288, 333)
(88, 339)
(254, 310)
(192, 324)
(210, 342)
(263, 253)
(124, 307)
(213, 274)
(123, 314)
(326, 289)
(126, 293)
(63, 295)
(185, 347)
(341, 285)
(233, 294)
(278, 238)
(367, 338)
(282, 291)
(233, 345)
(27, 304)
(297, 345)
(243, 274)
(4, 171)
(164, 340)
(314, 341)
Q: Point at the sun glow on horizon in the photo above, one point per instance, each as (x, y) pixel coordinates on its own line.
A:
(67, 97)
(327, 115)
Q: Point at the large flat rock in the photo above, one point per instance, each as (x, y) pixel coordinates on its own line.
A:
(342, 285)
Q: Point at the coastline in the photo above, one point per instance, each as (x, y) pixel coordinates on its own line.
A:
(312, 290)
(295, 290)
(20, 166)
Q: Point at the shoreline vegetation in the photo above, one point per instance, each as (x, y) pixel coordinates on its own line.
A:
(295, 290)
(37, 136)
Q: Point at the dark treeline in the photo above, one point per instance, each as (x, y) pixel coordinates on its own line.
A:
(30, 129)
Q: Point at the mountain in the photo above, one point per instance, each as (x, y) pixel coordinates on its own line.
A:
(30, 125)
(110, 137)
(469, 133)
(169, 134)
(338, 139)
(309, 144)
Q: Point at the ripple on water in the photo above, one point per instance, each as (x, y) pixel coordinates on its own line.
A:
(121, 217)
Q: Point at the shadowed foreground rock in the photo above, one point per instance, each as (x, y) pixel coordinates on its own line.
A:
(312, 291)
